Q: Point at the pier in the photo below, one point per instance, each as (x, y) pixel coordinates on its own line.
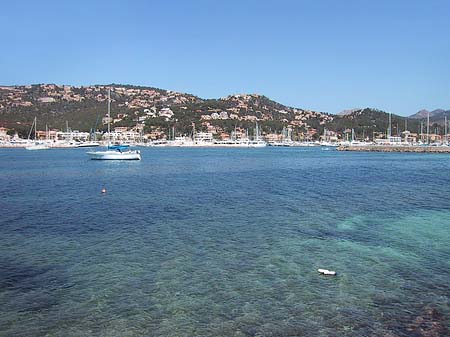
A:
(395, 148)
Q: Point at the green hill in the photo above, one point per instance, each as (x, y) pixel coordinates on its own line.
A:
(161, 110)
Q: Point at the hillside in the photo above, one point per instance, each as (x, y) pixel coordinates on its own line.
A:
(157, 111)
(152, 108)
(369, 120)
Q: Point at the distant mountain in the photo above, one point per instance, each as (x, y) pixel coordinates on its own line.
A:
(424, 113)
(420, 114)
(439, 115)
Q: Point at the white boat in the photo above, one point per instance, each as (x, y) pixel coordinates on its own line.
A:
(304, 144)
(283, 143)
(87, 144)
(245, 142)
(115, 152)
(256, 143)
(37, 145)
(327, 272)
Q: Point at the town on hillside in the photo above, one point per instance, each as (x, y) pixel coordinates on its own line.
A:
(66, 114)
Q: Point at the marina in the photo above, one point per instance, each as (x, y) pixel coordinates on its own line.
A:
(113, 152)
(225, 169)
(396, 148)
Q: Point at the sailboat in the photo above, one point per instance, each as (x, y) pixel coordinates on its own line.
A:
(37, 145)
(256, 142)
(115, 152)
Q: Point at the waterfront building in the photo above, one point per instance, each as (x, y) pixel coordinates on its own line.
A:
(4, 134)
(329, 136)
(49, 134)
(122, 135)
(409, 137)
(390, 140)
(203, 137)
(73, 135)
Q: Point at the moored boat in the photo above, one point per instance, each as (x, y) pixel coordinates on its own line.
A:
(37, 145)
(87, 144)
(115, 152)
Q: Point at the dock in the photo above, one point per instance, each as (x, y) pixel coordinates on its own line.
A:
(394, 148)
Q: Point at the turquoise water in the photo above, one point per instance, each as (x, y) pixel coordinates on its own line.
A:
(224, 242)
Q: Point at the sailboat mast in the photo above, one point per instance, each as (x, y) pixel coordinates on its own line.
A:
(31, 130)
(109, 111)
(445, 128)
(421, 130)
(390, 126)
(428, 128)
(35, 128)
(257, 132)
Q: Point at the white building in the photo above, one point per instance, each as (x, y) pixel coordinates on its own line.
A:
(4, 134)
(223, 115)
(73, 135)
(203, 137)
(166, 112)
(391, 140)
(122, 135)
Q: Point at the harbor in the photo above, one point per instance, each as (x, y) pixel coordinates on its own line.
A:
(395, 148)
(225, 169)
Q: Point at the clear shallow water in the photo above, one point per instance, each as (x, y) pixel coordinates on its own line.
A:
(224, 242)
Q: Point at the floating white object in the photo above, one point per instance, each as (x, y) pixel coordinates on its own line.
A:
(326, 272)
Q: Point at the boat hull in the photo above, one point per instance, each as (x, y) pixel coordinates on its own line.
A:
(115, 155)
(88, 144)
(37, 147)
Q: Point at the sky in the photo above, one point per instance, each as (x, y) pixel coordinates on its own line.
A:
(325, 55)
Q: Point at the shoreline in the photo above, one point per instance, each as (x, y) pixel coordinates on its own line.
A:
(390, 148)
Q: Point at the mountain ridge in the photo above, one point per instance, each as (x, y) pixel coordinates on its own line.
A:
(436, 115)
(151, 107)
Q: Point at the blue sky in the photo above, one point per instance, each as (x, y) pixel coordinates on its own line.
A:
(325, 55)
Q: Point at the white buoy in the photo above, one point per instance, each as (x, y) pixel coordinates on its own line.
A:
(327, 272)
(103, 190)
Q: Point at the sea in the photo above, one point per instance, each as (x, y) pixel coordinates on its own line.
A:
(224, 242)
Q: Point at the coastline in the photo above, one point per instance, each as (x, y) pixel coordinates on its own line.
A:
(390, 148)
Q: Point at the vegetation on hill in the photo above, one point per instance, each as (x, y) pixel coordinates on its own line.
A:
(367, 121)
(82, 108)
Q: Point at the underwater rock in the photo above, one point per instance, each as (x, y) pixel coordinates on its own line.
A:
(429, 324)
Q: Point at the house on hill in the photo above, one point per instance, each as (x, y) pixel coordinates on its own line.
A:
(4, 134)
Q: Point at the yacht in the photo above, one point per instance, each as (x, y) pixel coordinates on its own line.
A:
(115, 152)
(87, 144)
(36, 145)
